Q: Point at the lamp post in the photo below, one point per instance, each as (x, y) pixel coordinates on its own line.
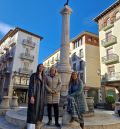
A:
(102, 93)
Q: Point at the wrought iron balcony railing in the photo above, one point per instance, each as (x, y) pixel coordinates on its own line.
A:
(27, 56)
(12, 42)
(25, 71)
(109, 41)
(106, 27)
(28, 43)
(7, 70)
(114, 76)
(110, 59)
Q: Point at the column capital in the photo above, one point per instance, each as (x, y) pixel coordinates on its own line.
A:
(66, 10)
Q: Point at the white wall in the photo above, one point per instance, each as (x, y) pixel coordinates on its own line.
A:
(18, 63)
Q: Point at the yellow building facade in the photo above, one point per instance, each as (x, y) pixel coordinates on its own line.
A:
(109, 41)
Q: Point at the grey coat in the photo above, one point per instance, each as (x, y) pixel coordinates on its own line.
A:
(37, 90)
(53, 83)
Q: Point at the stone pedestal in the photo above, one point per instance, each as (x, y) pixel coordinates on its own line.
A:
(90, 104)
(14, 102)
(117, 107)
(5, 103)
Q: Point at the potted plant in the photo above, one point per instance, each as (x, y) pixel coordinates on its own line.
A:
(109, 102)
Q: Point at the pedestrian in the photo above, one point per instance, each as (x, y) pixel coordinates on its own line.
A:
(76, 99)
(36, 95)
(53, 87)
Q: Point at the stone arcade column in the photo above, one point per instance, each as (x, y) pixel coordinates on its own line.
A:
(64, 67)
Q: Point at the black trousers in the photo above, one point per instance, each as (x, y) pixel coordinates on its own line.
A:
(56, 111)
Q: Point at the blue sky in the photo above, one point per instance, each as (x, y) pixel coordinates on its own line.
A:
(43, 18)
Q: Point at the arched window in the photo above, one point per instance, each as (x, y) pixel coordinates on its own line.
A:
(108, 21)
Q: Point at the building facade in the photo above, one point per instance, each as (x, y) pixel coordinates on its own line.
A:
(18, 60)
(109, 37)
(84, 58)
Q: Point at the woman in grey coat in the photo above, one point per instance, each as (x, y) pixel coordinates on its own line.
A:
(53, 87)
(76, 99)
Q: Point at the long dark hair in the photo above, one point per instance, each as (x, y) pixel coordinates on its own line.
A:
(37, 71)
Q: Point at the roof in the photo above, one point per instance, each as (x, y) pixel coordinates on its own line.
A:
(13, 32)
(84, 33)
(107, 10)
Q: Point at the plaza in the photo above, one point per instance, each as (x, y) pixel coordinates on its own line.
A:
(95, 58)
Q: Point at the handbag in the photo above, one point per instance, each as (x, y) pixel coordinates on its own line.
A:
(30, 126)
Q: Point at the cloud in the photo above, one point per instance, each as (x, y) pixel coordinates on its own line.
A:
(4, 28)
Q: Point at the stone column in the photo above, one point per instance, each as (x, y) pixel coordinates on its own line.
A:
(64, 67)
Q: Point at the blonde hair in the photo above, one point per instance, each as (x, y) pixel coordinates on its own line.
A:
(53, 67)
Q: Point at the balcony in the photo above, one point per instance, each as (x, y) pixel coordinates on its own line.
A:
(25, 71)
(113, 76)
(109, 41)
(12, 42)
(110, 59)
(27, 57)
(9, 55)
(7, 70)
(6, 48)
(28, 43)
(108, 27)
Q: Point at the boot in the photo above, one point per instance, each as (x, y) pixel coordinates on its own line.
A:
(49, 122)
(74, 119)
(57, 124)
(82, 125)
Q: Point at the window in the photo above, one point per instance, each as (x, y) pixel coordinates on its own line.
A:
(27, 51)
(108, 35)
(74, 57)
(95, 41)
(75, 44)
(52, 60)
(48, 63)
(26, 65)
(108, 22)
(82, 76)
(29, 39)
(90, 39)
(81, 65)
(111, 69)
(117, 15)
(81, 53)
(78, 43)
(74, 66)
(109, 51)
(111, 72)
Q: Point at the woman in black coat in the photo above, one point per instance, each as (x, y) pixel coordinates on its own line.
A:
(36, 95)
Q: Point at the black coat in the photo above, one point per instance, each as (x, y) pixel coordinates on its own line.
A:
(37, 90)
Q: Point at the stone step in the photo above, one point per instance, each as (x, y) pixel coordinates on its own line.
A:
(5, 125)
